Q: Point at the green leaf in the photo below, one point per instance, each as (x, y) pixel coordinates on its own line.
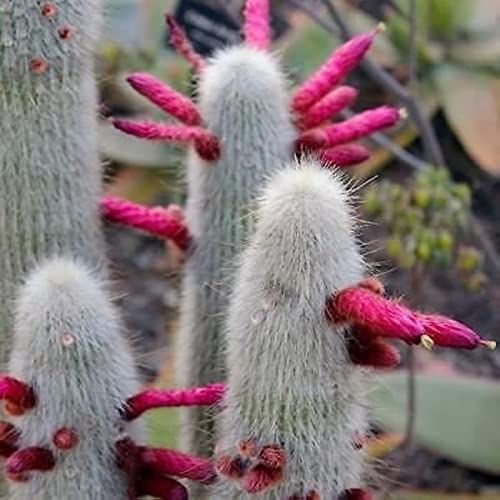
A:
(471, 102)
(457, 416)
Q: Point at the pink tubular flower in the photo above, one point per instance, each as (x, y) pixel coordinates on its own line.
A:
(175, 463)
(159, 221)
(156, 398)
(272, 456)
(447, 332)
(9, 437)
(206, 144)
(183, 46)
(382, 317)
(354, 128)
(340, 63)
(376, 353)
(162, 487)
(257, 24)
(261, 478)
(311, 495)
(227, 466)
(346, 155)
(28, 460)
(334, 102)
(18, 393)
(168, 99)
(357, 494)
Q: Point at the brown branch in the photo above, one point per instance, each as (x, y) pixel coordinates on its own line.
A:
(412, 51)
(306, 7)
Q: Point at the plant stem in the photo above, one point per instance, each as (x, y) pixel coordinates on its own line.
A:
(306, 7)
(412, 52)
(416, 286)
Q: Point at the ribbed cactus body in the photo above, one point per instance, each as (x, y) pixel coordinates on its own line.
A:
(244, 103)
(49, 169)
(69, 349)
(290, 381)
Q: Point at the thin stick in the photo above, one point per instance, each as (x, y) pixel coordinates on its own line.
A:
(416, 279)
(412, 51)
(416, 286)
(306, 7)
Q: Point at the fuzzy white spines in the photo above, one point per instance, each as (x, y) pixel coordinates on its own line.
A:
(50, 174)
(68, 347)
(243, 102)
(290, 381)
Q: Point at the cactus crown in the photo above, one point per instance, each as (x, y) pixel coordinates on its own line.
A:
(303, 390)
(69, 348)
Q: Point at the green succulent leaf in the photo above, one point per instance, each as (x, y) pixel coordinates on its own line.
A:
(471, 102)
(457, 416)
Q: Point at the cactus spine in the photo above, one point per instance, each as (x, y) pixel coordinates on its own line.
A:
(290, 381)
(69, 349)
(243, 102)
(49, 169)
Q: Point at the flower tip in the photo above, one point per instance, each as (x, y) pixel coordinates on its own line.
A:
(381, 27)
(490, 344)
(426, 342)
(169, 18)
(403, 113)
(132, 78)
(116, 122)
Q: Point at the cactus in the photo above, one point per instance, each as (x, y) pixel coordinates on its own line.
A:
(245, 128)
(69, 349)
(257, 133)
(300, 318)
(50, 174)
(73, 430)
(294, 403)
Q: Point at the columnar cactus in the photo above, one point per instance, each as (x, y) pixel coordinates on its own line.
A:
(300, 318)
(244, 129)
(293, 411)
(50, 173)
(72, 403)
(243, 100)
(69, 350)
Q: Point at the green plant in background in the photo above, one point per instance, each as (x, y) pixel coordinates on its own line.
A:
(457, 415)
(458, 51)
(426, 221)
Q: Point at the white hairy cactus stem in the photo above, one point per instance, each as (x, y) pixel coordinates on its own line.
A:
(50, 175)
(244, 103)
(290, 381)
(68, 347)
